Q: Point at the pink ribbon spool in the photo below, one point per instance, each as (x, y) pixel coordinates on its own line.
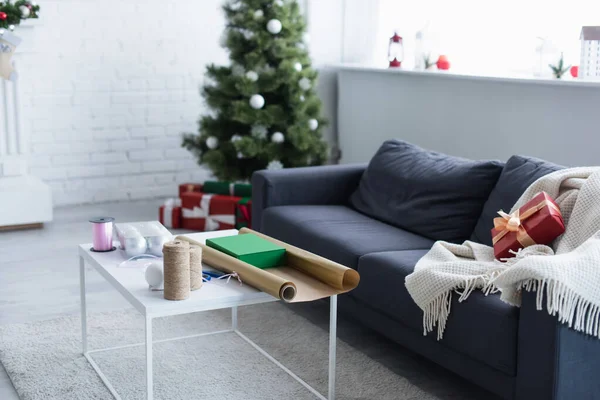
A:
(102, 234)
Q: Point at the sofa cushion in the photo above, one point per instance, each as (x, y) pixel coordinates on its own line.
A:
(473, 325)
(336, 232)
(432, 194)
(518, 173)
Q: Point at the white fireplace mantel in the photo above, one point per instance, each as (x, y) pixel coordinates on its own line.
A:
(24, 199)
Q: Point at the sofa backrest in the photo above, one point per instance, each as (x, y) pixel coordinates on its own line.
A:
(432, 194)
(518, 173)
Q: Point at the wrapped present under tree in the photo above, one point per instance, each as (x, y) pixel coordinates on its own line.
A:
(208, 212)
(243, 213)
(169, 214)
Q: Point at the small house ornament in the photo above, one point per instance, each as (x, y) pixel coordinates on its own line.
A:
(395, 51)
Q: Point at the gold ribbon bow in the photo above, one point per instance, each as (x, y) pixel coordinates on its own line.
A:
(514, 223)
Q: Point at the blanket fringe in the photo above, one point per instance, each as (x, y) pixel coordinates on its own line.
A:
(571, 309)
(437, 311)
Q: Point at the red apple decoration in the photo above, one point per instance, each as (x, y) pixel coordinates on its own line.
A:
(574, 71)
(443, 63)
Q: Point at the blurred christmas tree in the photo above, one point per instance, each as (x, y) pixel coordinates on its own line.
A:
(264, 109)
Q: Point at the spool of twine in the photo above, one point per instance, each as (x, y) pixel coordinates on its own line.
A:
(195, 267)
(176, 270)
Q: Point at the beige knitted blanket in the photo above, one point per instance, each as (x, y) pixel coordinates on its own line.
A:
(568, 272)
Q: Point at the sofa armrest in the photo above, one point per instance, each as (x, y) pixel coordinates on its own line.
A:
(331, 184)
(554, 361)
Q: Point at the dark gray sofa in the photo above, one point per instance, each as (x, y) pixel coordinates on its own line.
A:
(516, 353)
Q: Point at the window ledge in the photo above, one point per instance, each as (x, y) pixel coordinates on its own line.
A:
(450, 75)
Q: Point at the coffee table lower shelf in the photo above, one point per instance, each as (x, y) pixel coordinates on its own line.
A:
(149, 342)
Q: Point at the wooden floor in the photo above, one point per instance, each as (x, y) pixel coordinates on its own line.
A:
(39, 279)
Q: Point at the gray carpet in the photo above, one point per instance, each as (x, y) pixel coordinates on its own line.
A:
(43, 359)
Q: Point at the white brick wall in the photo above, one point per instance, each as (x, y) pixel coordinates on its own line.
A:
(108, 90)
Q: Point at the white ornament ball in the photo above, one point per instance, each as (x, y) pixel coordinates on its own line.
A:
(274, 165)
(257, 101)
(248, 34)
(156, 243)
(155, 275)
(236, 138)
(278, 3)
(25, 11)
(258, 14)
(223, 38)
(240, 155)
(259, 131)
(277, 137)
(252, 76)
(11, 27)
(313, 124)
(274, 26)
(298, 67)
(306, 37)
(302, 98)
(237, 70)
(301, 46)
(304, 83)
(212, 142)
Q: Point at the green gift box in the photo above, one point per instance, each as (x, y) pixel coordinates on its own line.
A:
(227, 188)
(250, 248)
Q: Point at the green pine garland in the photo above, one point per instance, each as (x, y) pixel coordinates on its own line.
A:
(288, 108)
(10, 13)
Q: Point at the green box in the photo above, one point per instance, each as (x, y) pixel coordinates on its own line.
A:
(250, 248)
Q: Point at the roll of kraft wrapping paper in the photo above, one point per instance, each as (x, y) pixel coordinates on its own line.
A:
(102, 233)
(304, 277)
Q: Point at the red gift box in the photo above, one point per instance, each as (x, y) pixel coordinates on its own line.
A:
(243, 213)
(208, 212)
(189, 187)
(169, 214)
(539, 221)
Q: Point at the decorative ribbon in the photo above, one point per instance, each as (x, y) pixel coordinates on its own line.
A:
(170, 204)
(233, 274)
(514, 223)
(212, 222)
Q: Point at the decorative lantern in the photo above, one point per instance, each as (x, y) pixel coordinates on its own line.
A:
(395, 51)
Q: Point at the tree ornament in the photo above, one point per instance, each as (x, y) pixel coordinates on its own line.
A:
(275, 165)
(3, 16)
(236, 138)
(223, 38)
(258, 14)
(257, 101)
(274, 26)
(302, 98)
(248, 34)
(306, 37)
(25, 11)
(277, 137)
(313, 124)
(259, 131)
(304, 84)
(212, 142)
(11, 27)
(240, 155)
(235, 6)
(278, 3)
(237, 70)
(298, 67)
(300, 46)
(252, 76)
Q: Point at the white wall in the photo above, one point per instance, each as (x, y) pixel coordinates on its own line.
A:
(108, 91)
(472, 117)
(112, 84)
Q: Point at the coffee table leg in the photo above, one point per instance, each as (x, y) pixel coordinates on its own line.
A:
(149, 388)
(234, 318)
(332, 340)
(84, 344)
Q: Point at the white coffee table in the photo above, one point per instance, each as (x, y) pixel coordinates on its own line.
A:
(151, 304)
